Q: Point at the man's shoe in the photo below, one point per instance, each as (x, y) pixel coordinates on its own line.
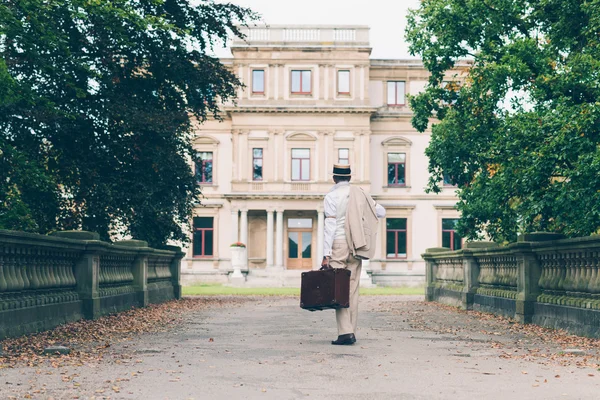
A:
(346, 339)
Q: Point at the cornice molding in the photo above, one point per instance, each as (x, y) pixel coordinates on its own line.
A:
(274, 196)
(301, 109)
(408, 197)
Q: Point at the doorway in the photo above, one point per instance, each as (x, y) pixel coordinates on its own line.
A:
(300, 248)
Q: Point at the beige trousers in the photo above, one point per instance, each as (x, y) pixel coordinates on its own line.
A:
(341, 257)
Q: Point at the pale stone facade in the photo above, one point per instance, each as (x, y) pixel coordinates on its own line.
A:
(313, 98)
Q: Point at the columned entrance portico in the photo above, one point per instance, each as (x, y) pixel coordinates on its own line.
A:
(284, 235)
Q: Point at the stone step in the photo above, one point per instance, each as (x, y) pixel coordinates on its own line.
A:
(284, 278)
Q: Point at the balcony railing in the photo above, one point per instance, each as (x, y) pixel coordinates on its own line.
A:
(342, 35)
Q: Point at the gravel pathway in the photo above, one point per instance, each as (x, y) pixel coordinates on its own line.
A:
(268, 348)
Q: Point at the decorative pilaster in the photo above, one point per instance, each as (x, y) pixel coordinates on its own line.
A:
(328, 138)
(278, 146)
(235, 143)
(362, 82)
(242, 155)
(325, 70)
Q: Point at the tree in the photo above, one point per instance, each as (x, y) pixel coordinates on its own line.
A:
(97, 100)
(519, 133)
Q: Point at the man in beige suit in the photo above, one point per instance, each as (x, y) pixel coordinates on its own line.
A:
(341, 250)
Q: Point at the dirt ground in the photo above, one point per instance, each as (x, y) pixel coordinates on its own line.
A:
(268, 348)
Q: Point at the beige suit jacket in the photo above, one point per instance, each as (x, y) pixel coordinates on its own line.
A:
(361, 224)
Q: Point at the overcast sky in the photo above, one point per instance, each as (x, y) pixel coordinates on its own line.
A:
(386, 18)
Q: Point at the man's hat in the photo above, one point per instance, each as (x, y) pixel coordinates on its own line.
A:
(341, 170)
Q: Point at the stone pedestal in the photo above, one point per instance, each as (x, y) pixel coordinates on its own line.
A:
(238, 261)
(365, 279)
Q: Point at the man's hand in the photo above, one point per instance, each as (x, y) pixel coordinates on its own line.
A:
(325, 263)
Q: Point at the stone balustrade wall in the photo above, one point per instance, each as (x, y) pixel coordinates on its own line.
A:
(498, 275)
(49, 280)
(543, 278)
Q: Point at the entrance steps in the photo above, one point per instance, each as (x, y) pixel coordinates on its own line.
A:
(276, 277)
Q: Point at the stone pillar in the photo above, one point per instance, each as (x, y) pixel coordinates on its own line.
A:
(470, 279)
(176, 272)
(529, 270)
(140, 268)
(234, 226)
(279, 240)
(87, 275)
(527, 283)
(320, 237)
(244, 232)
(430, 271)
(140, 277)
(270, 238)
(244, 227)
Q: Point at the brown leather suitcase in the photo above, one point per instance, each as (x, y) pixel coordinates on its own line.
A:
(328, 289)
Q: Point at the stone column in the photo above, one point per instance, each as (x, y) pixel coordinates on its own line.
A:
(279, 240)
(244, 233)
(269, 238)
(320, 237)
(234, 226)
(244, 227)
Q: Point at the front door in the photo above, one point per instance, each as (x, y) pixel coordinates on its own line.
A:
(300, 236)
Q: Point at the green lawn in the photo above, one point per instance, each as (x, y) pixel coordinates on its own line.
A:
(216, 290)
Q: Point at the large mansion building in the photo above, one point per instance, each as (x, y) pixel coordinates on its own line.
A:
(312, 98)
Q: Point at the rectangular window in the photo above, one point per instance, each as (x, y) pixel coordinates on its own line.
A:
(344, 156)
(300, 164)
(301, 82)
(343, 83)
(203, 237)
(395, 93)
(447, 180)
(204, 167)
(257, 164)
(396, 169)
(258, 81)
(395, 238)
(450, 238)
